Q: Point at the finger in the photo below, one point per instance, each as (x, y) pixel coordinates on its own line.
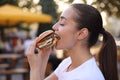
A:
(44, 52)
(37, 39)
(31, 48)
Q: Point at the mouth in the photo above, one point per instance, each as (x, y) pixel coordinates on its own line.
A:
(57, 36)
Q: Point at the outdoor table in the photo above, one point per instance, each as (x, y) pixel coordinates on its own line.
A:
(12, 58)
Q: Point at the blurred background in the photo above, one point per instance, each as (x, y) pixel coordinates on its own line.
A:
(23, 20)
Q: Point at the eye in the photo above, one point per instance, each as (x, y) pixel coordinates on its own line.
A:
(61, 24)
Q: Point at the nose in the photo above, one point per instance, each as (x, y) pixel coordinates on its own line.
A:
(55, 27)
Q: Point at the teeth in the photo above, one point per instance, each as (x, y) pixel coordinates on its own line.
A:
(56, 36)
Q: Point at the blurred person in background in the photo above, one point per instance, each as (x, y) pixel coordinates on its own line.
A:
(27, 42)
(79, 28)
(1, 46)
(54, 60)
(19, 47)
(8, 48)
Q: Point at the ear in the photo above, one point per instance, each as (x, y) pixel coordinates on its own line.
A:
(83, 33)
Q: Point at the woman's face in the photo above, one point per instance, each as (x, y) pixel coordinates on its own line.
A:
(66, 29)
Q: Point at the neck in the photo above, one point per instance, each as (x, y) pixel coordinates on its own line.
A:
(79, 56)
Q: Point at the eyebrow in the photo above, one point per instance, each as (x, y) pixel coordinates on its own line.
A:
(62, 17)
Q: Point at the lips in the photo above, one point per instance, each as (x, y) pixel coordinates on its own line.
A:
(57, 36)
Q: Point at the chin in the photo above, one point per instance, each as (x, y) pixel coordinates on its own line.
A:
(58, 47)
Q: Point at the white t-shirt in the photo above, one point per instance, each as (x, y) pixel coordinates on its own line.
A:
(86, 71)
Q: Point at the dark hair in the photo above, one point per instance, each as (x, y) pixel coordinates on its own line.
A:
(90, 18)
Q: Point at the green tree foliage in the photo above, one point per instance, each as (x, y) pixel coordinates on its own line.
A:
(48, 7)
(13, 2)
(112, 7)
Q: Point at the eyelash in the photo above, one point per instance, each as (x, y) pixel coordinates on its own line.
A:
(61, 24)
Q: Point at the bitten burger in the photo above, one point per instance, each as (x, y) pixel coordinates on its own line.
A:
(47, 39)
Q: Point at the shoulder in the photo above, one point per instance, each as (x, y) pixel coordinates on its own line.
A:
(62, 66)
(92, 71)
(89, 70)
(66, 62)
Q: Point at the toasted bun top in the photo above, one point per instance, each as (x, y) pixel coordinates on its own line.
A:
(42, 35)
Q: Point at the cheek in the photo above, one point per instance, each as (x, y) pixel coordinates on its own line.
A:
(67, 34)
(66, 42)
(69, 44)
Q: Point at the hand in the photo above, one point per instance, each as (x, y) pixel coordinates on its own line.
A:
(38, 60)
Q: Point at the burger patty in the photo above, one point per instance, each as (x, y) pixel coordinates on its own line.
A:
(46, 43)
(47, 37)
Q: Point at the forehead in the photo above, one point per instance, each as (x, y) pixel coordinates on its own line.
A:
(68, 14)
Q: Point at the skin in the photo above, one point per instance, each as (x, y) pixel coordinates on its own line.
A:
(72, 40)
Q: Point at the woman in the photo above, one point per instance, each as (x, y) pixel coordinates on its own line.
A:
(79, 27)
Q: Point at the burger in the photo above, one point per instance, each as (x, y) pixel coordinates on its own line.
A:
(47, 39)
